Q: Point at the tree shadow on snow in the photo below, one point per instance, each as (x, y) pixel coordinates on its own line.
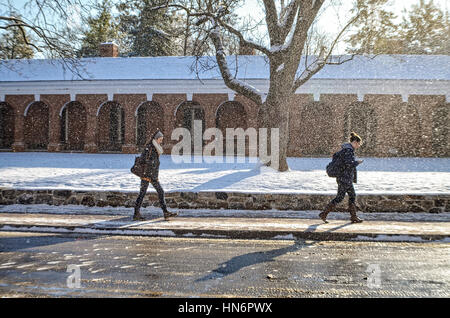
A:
(227, 180)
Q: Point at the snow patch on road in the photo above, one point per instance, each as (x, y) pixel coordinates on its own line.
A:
(398, 238)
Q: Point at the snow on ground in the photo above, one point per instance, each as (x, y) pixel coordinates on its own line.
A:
(80, 171)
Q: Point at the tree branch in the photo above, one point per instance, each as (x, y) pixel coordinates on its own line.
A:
(287, 18)
(272, 22)
(320, 62)
(237, 33)
(230, 81)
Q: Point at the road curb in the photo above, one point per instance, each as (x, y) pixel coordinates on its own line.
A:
(228, 234)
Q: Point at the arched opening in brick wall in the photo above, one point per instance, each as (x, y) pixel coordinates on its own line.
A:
(149, 117)
(110, 127)
(36, 130)
(6, 126)
(361, 118)
(73, 126)
(407, 137)
(186, 114)
(440, 137)
(232, 115)
(316, 137)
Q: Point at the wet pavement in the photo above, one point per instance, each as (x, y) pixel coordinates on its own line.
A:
(36, 265)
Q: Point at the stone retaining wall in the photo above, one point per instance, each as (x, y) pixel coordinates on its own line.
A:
(227, 200)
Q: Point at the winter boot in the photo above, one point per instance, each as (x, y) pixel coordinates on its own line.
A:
(324, 213)
(352, 210)
(168, 214)
(137, 215)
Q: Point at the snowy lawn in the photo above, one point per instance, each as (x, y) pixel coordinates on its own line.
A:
(80, 171)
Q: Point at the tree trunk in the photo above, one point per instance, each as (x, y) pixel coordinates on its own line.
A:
(274, 113)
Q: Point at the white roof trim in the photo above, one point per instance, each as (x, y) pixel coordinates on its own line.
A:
(313, 86)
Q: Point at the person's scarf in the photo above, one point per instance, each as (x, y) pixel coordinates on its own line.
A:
(158, 147)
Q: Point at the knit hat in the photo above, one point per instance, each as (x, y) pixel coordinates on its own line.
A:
(158, 134)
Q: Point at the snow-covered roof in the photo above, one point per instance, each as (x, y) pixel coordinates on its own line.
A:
(399, 67)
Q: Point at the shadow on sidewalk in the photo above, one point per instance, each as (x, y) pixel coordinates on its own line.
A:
(313, 227)
(33, 239)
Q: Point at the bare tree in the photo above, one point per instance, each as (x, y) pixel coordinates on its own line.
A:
(288, 24)
(53, 25)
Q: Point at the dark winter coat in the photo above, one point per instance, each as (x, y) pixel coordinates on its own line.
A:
(152, 161)
(348, 175)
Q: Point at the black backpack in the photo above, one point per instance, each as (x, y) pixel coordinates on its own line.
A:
(334, 168)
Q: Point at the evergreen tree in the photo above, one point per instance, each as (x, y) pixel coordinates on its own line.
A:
(101, 28)
(377, 33)
(148, 32)
(13, 44)
(425, 30)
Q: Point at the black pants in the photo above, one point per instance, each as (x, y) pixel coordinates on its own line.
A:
(158, 188)
(344, 188)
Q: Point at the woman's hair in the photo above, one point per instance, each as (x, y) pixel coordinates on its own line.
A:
(354, 137)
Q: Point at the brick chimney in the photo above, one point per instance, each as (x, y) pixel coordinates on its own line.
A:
(108, 49)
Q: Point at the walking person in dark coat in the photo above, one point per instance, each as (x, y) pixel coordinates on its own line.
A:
(346, 179)
(151, 154)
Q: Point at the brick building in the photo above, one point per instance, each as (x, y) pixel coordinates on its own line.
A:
(398, 104)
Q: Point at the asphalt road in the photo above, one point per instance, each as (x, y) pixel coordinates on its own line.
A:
(46, 265)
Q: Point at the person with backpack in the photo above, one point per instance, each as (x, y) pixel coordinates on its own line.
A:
(343, 168)
(151, 153)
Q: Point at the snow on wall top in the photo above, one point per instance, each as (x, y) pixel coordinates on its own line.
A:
(414, 67)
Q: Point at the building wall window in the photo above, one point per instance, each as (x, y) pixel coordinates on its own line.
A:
(73, 126)
(361, 118)
(440, 140)
(232, 115)
(37, 126)
(316, 130)
(6, 126)
(111, 127)
(150, 116)
(186, 114)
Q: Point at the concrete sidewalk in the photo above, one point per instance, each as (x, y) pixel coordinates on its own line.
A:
(229, 227)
